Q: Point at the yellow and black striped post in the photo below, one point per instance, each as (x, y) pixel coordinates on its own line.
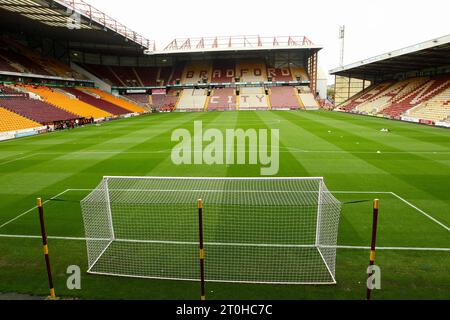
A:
(373, 244)
(202, 250)
(44, 242)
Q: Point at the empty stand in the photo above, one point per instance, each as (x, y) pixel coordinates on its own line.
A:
(103, 73)
(36, 110)
(299, 72)
(308, 101)
(139, 98)
(251, 71)
(10, 121)
(222, 99)
(148, 75)
(223, 71)
(126, 75)
(69, 103)
(176, 73)
(196, 72)
(5, 66)
(164, 75)
(253, 99)
(280, 74)
(192, 100)
(365, 96)
(420, 91)
(115, 100)
(97, 102)
(284, 98)
(435, 109)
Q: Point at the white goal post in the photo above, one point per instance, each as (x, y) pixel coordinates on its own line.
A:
(256, 230)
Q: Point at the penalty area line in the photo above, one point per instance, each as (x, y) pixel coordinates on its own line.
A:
(34, 208)
(17, 236)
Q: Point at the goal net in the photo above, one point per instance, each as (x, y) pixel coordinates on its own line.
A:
(256, 230)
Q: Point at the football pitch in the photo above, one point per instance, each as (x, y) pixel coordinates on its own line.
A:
(407, 168)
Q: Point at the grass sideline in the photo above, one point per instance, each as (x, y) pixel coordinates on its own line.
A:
(349, 151)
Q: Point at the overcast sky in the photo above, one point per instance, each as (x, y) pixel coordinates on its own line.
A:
(372, 27)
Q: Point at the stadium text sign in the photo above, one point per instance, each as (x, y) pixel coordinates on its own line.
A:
(232, 147)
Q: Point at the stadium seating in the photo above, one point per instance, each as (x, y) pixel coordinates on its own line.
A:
(36, 110)
(251, 71)
(196, 72)
(299, 72)
(104, 73)
(280, 74)
(253, 98)
(60, 99)
(139, 98)
(114, 100)
(435, 109)
(223, 71)
(127, 75)
(16, 56)
(284, 98)
(222, 99)
(192, 100)
(308, 101)
(5, 66)
(10, 121)
(148, 76)
(365, 96)
(97, 101)
(420, 90)
(164, 75)
(176, 73)
(164, 102)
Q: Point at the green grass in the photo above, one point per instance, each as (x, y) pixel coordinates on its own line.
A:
(414, 163)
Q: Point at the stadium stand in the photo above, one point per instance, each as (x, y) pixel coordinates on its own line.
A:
(251, 71)
(299, 72)
(196, 72)
(16, 55)
(365, 95)
(148, 76)
(104, 73)
(280, 74)
(36, 110)
(163, 102)
(435, 109)
(67, 102)
(253, 98)
(140, 98)
(164, 75)
(11, 121)
(394, 99)
(114, 100)
(308, 101)
(223, 71)
(222, 99)
(126, 75)
(5, 66)
(96, 101)
(284, 98)
(176, 73)
(417, 91)
(192, 100)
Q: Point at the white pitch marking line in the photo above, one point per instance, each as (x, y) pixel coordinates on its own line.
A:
(11, 236)
(17, 159)
(421, 211)
(35, 207)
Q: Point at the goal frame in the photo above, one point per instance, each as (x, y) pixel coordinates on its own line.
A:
(317, 245)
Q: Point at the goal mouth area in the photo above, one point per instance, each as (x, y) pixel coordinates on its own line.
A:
(255, 230)
(123, 258)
